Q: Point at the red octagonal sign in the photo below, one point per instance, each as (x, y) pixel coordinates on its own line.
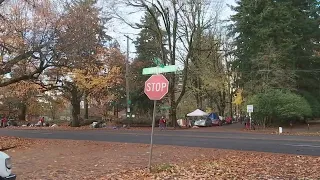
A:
(156, 87)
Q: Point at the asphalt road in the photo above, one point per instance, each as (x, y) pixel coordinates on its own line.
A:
(300, 145)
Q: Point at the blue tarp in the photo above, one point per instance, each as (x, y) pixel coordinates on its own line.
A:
(213, 116)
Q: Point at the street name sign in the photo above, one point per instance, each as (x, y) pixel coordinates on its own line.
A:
(159, 70)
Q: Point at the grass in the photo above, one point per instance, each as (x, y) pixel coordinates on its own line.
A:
(163, 167)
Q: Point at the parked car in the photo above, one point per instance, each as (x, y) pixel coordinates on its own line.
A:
(205, 122)
(6, 167)
(217, 122)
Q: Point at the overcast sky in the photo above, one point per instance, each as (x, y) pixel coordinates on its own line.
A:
(118, 29)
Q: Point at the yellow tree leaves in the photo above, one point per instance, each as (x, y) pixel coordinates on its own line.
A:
(17, 98)
(21, 89)
(98, 81)
(238, 97)
(95, 79)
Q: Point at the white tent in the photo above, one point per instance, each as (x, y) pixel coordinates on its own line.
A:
(198, 113)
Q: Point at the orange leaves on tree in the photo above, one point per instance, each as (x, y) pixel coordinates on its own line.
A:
(96, 77)
(21, 89)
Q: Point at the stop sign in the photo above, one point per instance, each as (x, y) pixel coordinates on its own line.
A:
(156, 87)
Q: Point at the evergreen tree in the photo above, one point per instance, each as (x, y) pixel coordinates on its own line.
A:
(148, 46)
(291, 29)
(149, 41)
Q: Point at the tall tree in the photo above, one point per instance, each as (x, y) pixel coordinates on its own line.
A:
(28, 34)
(147, 46)
(210, 69)
(277, 36)
(149, 39)
(80, 44)
(179, 18)
(19, 98)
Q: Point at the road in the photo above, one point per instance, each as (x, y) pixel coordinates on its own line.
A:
(300, 145)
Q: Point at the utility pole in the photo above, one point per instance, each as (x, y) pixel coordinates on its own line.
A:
(127, 79)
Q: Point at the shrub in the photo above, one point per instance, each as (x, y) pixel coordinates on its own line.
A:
(280, 105)
(313, 102)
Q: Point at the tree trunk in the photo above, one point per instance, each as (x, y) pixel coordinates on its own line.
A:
(117, 110)
(86, 106)
(23, 112)
(264, 120)
(173, 109)
(230, 99)
(75, 114)
(211, 102)
(75, 102)
(201, 102)
(197, 100)
(197, 93)
(53, 114)
(231, 109)
(173, 115)
(222, 102)
(200, 94)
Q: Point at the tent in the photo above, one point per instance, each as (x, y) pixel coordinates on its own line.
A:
(213, 116)
(198, 113)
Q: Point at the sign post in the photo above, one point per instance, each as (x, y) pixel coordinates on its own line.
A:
(156, 87)
(250, 110)
(152, 132)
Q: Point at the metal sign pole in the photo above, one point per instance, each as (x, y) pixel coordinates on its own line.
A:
(151, 142)
(250, 119)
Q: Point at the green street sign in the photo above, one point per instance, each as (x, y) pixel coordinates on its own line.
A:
(159, 70)
(157, 61)
(129, 102)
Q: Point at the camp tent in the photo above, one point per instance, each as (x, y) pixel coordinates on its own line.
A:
(197, 113)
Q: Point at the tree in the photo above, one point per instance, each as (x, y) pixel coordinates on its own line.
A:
(149, 39)
(53, 104)
(180, 20)
(289, 30)
(270, 72)
(147, 46)
(313, 102)
(80, 43)
(103, 82)
(17, 99)
(28, 33)
(209, 74)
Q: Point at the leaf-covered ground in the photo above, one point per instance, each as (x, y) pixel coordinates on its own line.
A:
(14, 142)
(66, 159)
(270, 167)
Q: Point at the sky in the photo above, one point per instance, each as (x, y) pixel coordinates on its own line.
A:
(118, 29)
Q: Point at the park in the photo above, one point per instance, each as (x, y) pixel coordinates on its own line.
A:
(166, 89)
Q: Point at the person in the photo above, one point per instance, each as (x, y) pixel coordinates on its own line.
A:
(162, 123)
(41, 121)
(247, 122)
(1, 122)
(4, 122)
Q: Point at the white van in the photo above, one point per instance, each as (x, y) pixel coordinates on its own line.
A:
(6, 167)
